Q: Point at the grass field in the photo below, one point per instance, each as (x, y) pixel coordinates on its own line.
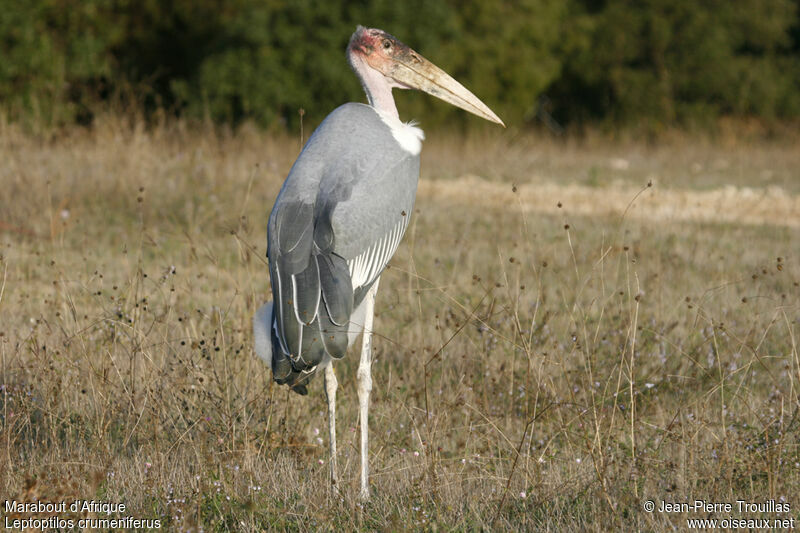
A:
(568, 330)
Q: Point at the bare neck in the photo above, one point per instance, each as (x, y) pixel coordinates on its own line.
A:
(377, 87)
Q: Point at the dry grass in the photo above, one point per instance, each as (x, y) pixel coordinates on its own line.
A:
(538, 366)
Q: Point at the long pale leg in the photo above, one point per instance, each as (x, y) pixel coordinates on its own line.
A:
(364, 376)
(330, 393)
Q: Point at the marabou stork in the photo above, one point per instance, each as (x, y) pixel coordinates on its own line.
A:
(339, 218)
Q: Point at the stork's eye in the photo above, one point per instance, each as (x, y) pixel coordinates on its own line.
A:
(387, 44)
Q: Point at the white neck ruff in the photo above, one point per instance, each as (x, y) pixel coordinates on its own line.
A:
(407, 134)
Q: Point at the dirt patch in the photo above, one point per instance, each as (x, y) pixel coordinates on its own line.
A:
(735, 205)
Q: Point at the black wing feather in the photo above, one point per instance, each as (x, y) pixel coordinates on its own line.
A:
(306, 292)
(337, 288)
(312, 290)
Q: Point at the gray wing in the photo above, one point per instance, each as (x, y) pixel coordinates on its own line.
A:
(335, 225)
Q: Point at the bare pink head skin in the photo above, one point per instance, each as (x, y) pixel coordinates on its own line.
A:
(371, 54)
(383, 63)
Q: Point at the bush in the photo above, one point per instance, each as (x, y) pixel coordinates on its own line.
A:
(619, 61)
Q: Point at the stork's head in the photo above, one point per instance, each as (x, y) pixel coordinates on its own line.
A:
(383, 62)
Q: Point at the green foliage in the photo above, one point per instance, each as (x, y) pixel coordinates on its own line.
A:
(56, 57)
(623, 61)
(667, 61)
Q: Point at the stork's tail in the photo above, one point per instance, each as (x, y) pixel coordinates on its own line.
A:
(263, 339)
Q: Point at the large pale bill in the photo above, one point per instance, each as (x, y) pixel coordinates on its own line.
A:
(418, 73)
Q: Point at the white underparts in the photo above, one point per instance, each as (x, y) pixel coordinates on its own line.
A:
(407, 134)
